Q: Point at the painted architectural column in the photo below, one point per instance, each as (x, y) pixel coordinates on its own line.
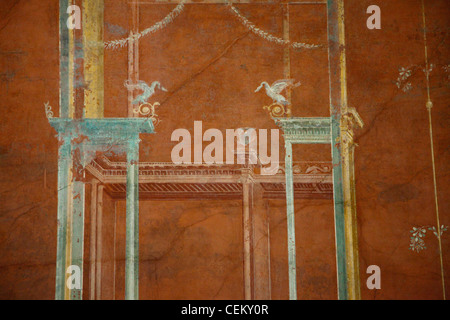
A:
(123, 133)
(70, 233)
(81, 63)
(132, 222)
(93, 21)
(348, 122)
(99, 237)
(290, 222)
(133, 53)
(65, 62)
(66, 48)
(342, 154)
(247, 212)
(76, 243)
(93, 239)
(260, 246)
(64, 190)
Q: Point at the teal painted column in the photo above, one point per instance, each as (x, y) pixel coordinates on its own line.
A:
(336, 58)
(70, 233)
(290, 222)
(64, 165)
(132, 222)
(77, 242)
(115, 131)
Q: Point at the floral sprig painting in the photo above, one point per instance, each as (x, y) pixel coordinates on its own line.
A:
(417, 242)
(403, 81)
(404, 74)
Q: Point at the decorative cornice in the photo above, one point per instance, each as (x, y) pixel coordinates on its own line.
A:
(86, 137)
(115, 172)
(305, 130)
(118, 130)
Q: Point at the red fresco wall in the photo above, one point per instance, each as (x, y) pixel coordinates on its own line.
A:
(211, 65)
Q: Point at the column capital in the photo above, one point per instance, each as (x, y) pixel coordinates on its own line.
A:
(349, 121)
(247, 176)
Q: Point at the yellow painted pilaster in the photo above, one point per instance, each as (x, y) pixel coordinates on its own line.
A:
(349, 119)
(93, 16)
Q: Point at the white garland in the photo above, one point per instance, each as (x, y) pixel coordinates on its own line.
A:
(114, 44)
(267, 36)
